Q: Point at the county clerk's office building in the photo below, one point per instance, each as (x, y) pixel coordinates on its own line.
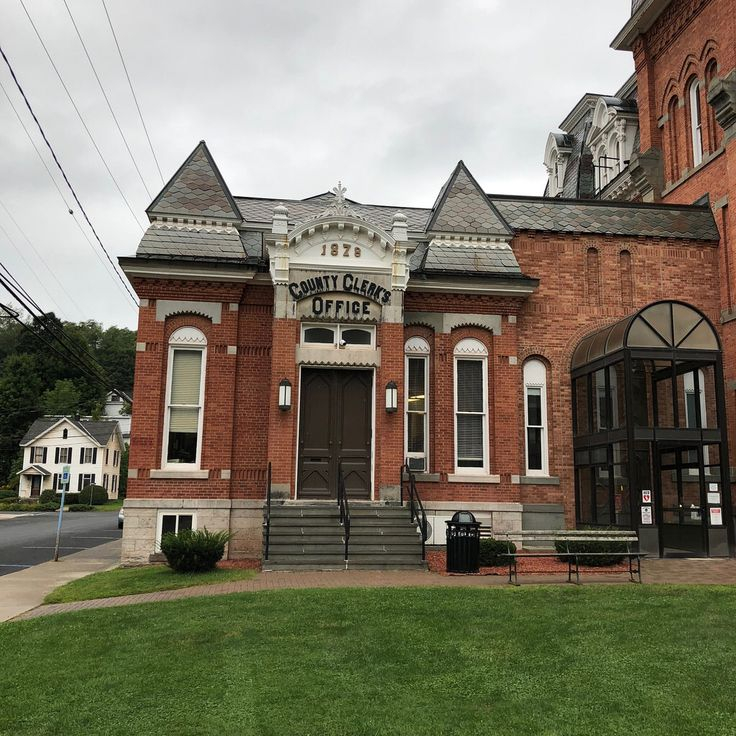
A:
(541, 361)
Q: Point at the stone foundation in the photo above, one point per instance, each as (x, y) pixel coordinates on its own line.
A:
(243, 518)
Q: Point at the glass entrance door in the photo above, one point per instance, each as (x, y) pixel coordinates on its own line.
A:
(682, 505)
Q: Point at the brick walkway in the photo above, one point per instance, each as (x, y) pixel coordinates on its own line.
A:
(721, 572)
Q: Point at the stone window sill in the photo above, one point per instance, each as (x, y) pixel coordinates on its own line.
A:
(184, 474)
(424, 477)
(463, 478)
(536, 480)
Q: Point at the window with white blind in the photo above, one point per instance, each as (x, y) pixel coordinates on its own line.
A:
(471, 407)
(416, 440)
(696, 126)
(185, 397)
(535, 412)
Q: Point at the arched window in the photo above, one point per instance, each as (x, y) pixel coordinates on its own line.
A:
(184, 398)
(416, 391)
(592, 272)
(714, 130)
(696, 128)
(535, 417)
(471, 407)
(673, 168)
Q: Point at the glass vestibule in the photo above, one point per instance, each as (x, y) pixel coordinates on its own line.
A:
(649, 428)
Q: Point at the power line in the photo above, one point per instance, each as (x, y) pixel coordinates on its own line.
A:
(81, 118)
(91, 367)
(132, 91)
(28, 265)
(63, 173)
(61, 194)
(40, 258)
(107, 100)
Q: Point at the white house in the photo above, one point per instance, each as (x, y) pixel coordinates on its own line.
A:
(90, 448)
(114, 405)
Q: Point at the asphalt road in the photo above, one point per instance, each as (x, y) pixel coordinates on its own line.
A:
(29, 539)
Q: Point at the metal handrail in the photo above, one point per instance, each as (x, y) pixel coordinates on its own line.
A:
(344, 506)
(267, 521)
(416, 507)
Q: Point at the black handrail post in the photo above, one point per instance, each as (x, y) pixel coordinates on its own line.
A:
(267, 522)
(416, 507)
(344, 506)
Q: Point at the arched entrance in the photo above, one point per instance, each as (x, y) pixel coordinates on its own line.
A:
(649, 429)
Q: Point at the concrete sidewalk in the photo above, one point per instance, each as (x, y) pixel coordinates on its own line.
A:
(21, 591)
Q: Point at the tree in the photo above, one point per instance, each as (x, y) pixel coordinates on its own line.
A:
(123, 482)
(20, 389)
(63, 398)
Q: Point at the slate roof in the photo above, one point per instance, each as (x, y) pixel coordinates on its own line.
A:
(485, 260)
(100, 430)
(568, 216)
(259, 210)
(197, 189)
(463, 207)
(171, 241)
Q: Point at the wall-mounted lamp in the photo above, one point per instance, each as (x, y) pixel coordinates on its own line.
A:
(392, 397)
(284, 394)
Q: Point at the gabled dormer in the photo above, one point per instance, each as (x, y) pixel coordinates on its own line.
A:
(196, 194)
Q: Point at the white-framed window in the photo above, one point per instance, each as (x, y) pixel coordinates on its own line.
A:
(182, 445)
(343, 336)
(105, 479)
(114, 484)
(535, 413)
(696, 126)
(174, 522)
(115, 458)
(416, 392)
(87, 455)
(38, 454)
(471, 407)
(64, 454)
(84, 480)
(107, 456)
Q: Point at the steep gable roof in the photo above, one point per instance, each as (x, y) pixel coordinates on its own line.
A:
(463, 207)
(196, 190)
(99, 431)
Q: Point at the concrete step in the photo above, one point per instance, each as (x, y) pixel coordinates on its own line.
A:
(381, 539)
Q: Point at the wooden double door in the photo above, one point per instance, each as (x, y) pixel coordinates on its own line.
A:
(335, 426)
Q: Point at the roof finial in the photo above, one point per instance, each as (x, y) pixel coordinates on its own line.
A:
(339, 192)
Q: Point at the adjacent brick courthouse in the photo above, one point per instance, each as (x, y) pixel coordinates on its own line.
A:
(542, 361)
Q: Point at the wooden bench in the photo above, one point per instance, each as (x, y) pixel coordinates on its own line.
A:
(627, 537)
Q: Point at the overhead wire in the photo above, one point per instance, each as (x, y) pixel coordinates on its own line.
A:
(132, 91)
(81, 117)
(72, 351)
(80, 311)
(107, 100)
(61, 194)
(63, 172)
(28, 265)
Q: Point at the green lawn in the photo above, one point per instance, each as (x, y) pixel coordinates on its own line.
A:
(131, 580)
(114, 505)
(608, 660)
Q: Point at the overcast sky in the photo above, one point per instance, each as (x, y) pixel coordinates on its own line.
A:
(290, 97)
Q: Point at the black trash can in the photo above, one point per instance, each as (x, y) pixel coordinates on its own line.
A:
(463, 542)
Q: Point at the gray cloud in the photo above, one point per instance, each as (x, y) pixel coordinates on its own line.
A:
(290, 96)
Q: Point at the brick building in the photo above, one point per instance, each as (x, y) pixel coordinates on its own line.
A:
(541, 361)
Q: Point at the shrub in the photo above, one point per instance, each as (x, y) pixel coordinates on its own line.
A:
(48, 496)
(8, 493)
(592, 561)
(82, 507)
(94, 495)
(194, 551)
(69, 499)
(491, 551)
(21, 506)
